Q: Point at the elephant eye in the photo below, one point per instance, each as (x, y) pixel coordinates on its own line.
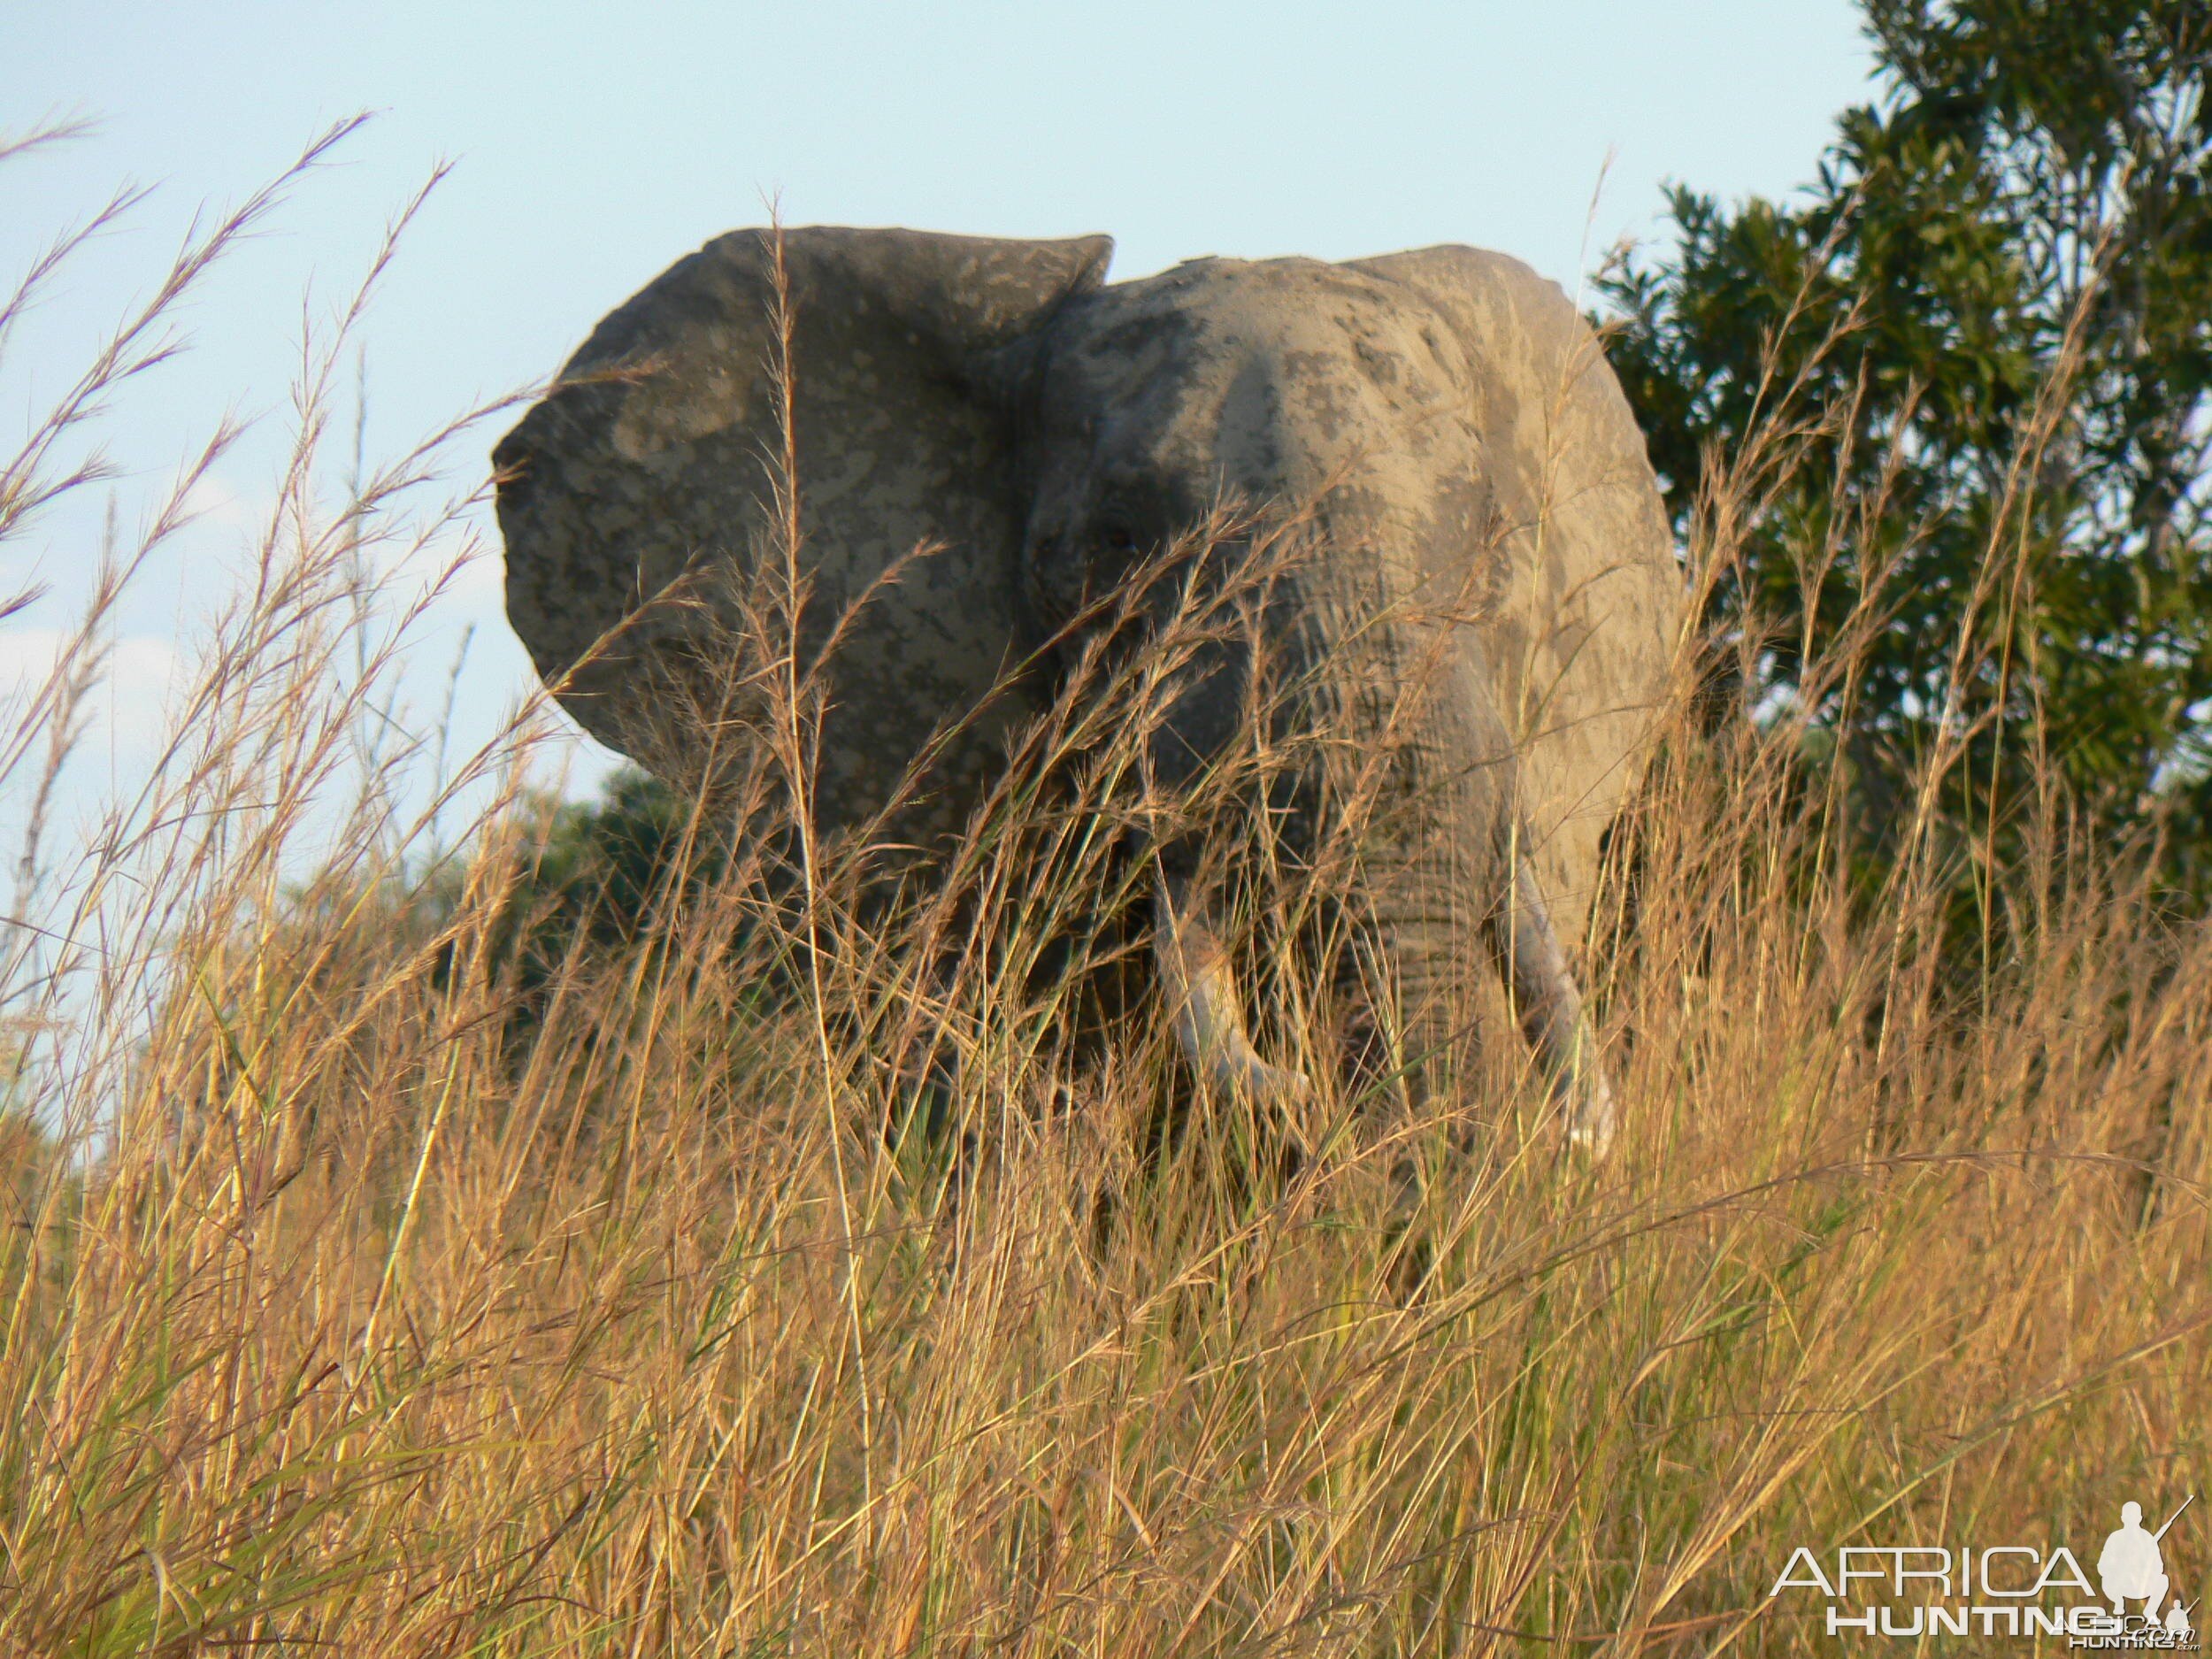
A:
(1116, 535)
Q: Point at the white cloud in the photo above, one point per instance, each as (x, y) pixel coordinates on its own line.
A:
(130, 703)
(214, 501)
(474, 575)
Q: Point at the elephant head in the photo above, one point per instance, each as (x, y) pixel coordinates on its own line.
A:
(1442, 423)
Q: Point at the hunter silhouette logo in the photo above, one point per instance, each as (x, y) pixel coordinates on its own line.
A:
(1913, 1592)
(2133, 1567)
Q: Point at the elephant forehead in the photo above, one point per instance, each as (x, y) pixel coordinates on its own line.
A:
(1277, 371)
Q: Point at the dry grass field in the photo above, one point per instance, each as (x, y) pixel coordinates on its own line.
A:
(358, 1295)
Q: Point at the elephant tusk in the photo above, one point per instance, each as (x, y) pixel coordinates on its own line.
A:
(1593, 1119)
(1208, 1017)
(1558, 1025)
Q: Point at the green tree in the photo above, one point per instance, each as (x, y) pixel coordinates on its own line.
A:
(1978, 346)
(602, 869)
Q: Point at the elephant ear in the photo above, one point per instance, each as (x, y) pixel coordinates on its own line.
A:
(636, 501)
(1584, 634)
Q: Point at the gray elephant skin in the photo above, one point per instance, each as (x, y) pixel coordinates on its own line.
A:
(1443, 420)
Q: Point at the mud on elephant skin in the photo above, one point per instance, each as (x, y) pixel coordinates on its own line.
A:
(1441, 422)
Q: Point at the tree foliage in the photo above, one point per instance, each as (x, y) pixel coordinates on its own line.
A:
(594, 875)
(1964, 379)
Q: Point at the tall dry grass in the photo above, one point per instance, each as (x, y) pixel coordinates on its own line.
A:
(356, 1296)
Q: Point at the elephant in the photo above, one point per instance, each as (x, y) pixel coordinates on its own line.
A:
(1442, 423)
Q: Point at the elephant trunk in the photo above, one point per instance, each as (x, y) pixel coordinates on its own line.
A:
(1454, 891)
(1473, 903)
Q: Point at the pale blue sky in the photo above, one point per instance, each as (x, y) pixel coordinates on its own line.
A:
(596, 145)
